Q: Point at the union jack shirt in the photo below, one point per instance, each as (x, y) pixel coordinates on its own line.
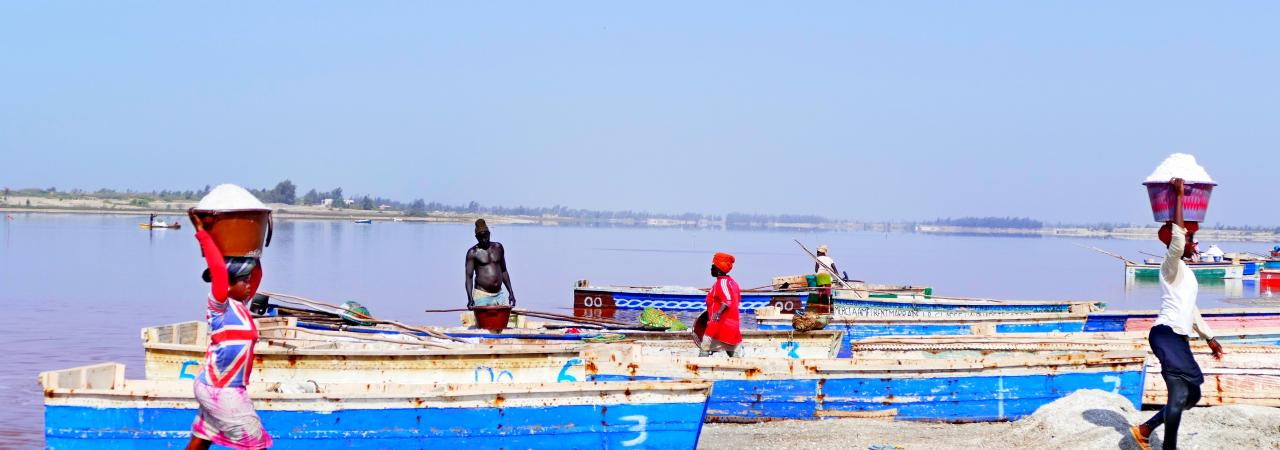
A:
(229, 360)
(232, 332)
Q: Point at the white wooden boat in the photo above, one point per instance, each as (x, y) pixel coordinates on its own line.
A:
(287, 351)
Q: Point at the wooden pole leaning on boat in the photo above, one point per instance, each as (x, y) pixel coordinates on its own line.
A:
(315, 304)
(1113, 255)
(834, 275)
(596, 322)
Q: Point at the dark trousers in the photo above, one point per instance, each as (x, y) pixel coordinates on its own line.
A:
(1182, 377)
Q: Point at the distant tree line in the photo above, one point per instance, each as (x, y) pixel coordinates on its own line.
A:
(990, 222)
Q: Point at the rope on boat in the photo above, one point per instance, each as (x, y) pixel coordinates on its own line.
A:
(320, 305)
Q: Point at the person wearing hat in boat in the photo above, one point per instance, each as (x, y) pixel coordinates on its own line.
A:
(487, 272)
(825, 264)
(226, 415)
(1179, 316)
(723, 332)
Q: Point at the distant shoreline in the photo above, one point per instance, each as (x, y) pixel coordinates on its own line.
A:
(89, 205)
(1129, 233)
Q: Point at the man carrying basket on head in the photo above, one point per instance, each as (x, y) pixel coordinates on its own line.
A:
(1179, 316)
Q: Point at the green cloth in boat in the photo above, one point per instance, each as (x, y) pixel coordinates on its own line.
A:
(656, 318)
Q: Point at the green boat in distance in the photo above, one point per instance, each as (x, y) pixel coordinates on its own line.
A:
(1203, 271)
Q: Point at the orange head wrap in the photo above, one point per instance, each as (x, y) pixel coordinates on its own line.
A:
(723, 261)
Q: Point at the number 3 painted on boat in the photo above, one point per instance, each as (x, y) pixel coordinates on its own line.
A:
(641, 423)
(564, 371)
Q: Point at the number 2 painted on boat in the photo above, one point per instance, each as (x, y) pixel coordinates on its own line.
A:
(791, 347)
(564, 371)
(641, 423)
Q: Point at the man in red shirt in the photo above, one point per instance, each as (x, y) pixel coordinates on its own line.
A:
(723, 330)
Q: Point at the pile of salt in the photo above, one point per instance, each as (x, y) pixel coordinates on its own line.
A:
(1180, 165)
(229, 197)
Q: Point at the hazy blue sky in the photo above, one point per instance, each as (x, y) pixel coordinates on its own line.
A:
(854, 110)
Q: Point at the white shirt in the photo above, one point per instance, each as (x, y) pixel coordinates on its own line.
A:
(828, 262)
(1179, 290)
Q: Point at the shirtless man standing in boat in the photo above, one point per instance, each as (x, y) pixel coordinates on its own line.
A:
(487, 272)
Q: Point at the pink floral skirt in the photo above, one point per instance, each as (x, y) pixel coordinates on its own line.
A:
(227, 418)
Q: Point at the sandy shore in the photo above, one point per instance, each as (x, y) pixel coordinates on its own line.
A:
(1084, 420)
(177, 211)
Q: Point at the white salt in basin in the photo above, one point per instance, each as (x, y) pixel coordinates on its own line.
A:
(229, 197)
(1180, 165)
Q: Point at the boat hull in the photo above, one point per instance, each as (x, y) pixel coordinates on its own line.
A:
(1247, 374)
(748, 389)
(676, 299)
(857, 328)
(177, 352)
(852, 303)
(158, 414)
(1201, 271)
(1142, 320)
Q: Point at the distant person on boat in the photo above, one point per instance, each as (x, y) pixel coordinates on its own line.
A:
(825, 264)
(226, 414)
(723, 332)
(487, 272)
(1179, 316)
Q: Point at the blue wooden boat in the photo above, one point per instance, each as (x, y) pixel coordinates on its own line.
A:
(1142, 320)
(1246, 374)
(676, 298)
(951, 390)
(95, 407)
(856, 302)
(857, 328)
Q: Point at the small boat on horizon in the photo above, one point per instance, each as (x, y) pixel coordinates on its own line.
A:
(160, 225)
(365, 221)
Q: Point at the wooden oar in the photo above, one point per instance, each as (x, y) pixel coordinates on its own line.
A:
(824, 265)
(1113, 255)
(314, 304)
